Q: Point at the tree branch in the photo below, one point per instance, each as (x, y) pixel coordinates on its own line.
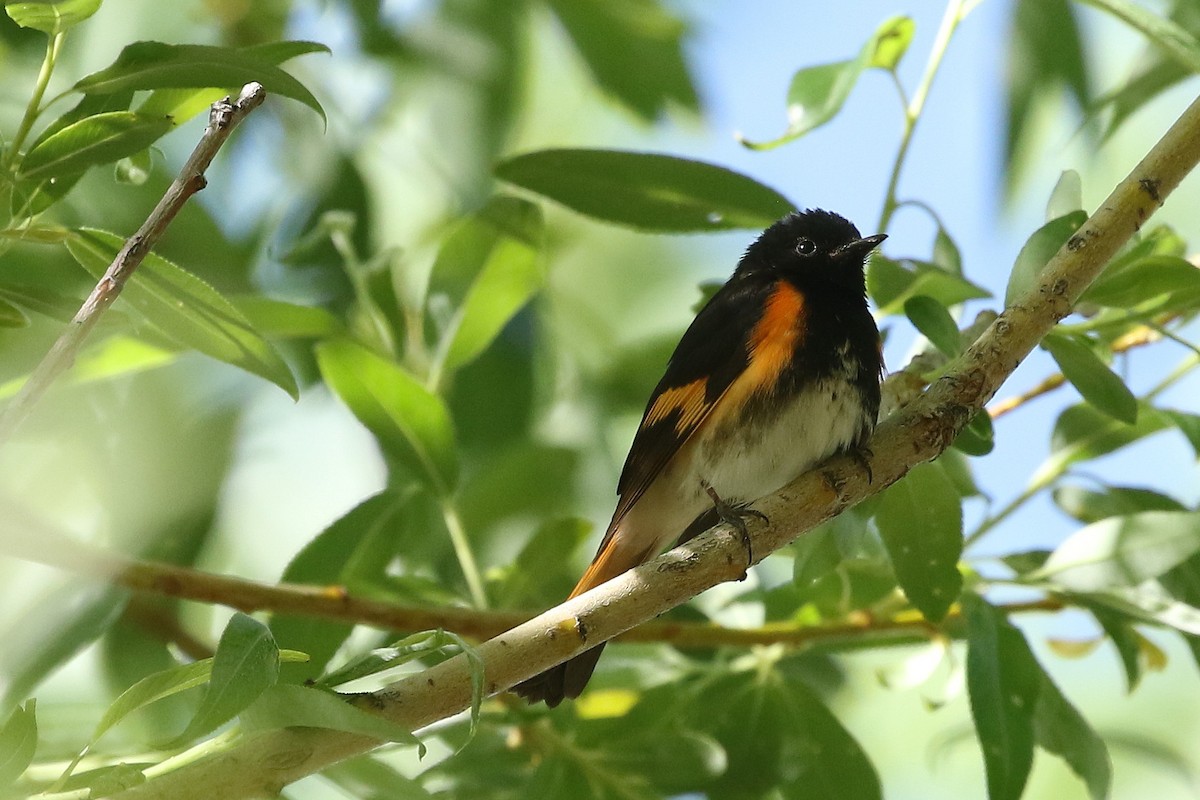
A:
(222, 119)
(262, 763)
(36, 542)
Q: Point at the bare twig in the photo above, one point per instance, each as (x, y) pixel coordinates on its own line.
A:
(223, 118)
(34, 542)
(260, 764)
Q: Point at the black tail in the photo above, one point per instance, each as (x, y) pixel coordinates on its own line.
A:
(565, 680)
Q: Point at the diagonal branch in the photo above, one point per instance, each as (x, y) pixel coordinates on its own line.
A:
(261, 764)
(222, 119)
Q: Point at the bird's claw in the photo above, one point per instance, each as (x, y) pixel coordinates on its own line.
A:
(735, 517)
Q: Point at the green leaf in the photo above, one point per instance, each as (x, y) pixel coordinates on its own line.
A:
(18, 743)
(100, 139)
(245, 665)
(287, 706)
(978, 437)
(1147, 278)
(1099, 385)
(1037, 252)
(284, 320)
(367, 776)
(1114, 501)
(490, 267)
(1067, 196)
(779, 736)
(11, 316)
(411, 423)
(1083, 433)
(648, 191)
(356, 547)
(946, 255)
(891, 42)
(1045, 54)
(890, 284)
(186, 309)
(114, 357)
(1165, 34)
(1122, 551)
(920, 520)
(154, 65)
(71, 615)
(935, 323)
(634, 50)
(1003, 683)
(818, 93)
(542, 569)
(51, 16)
(183, 104)
(1060, 729)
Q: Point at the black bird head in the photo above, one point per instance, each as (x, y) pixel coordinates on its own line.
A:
(813, 246)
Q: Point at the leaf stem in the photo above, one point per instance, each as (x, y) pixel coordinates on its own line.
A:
(35, 101)
(956, 11)
(466, 558)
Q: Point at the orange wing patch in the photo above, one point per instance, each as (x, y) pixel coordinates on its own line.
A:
(688, 400)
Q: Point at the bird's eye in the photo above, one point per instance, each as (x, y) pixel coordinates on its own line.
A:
(806, 247)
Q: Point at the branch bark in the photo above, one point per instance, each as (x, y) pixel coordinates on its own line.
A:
(263, 763)
(224, 116)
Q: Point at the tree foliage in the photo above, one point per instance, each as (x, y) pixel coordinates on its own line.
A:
(444, 315)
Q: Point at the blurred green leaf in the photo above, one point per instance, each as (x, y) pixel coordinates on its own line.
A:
(358, 546)
(778, 735)
(489, 268)
(18, 742)
(381, 659)
(1003, 683)
(114, 357)
(1145, 279)
(644, 190)
(935, 323)
(1067, 196)
(890, 284)
(134, 170)
(71, 614)
(814, 555)
(542, 571)
(818, 93)
(1118, 627)
(1122, 551)
(1045, 53)
(99, 139)
(1083, 433)
(286, 706)
(946, 255)
(411, 422)
(89, 105)
(891, 42)
(920, 520)
(367, 776)
(51, 16)
(186, 309)
(1086, 505)
(634, 50)
(245, 665)
(1060, 729)
(1165, 34)
(11, 316)
(155, 65)
(1038, 250)
(1099, 385)
(284, 320)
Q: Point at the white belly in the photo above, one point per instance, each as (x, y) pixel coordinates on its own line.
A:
(748, 462)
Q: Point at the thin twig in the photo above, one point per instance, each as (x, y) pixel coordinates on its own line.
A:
(223, 118)
(31, 541)
(262, 763)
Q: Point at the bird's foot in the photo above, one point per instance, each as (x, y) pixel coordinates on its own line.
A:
(736, 516)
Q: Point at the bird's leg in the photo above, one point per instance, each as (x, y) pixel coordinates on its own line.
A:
(862, 456)
(736, 517)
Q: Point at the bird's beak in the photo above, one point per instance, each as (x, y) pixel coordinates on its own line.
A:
(861, 248)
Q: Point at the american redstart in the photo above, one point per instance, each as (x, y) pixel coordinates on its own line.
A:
(779, 371)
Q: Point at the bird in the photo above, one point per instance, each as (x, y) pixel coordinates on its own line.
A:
(777, 372)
